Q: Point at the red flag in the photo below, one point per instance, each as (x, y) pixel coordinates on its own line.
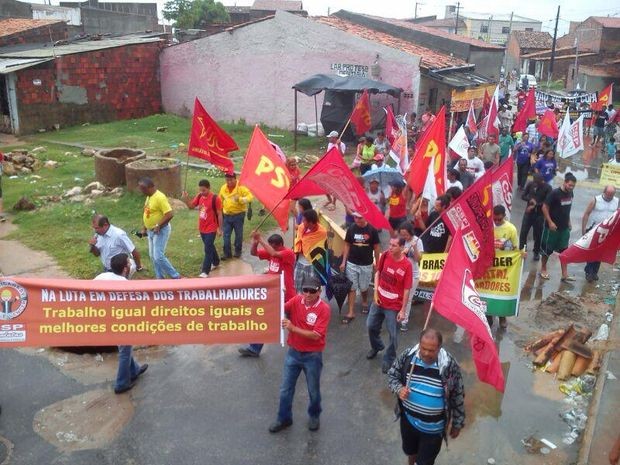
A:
(432, 144)
(600, 244)
(548, 126)
(604, 98)
(333, 176)
(471, 119)
(492, 124)
(208, 141)
(502, 184)
(361, 114)
(527, 112)
(391, 126)
(457, 299)
(471, 214)
(486, 104)
(266, 175)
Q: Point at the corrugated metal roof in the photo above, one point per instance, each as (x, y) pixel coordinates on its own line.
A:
(48, 51)
(10, 65)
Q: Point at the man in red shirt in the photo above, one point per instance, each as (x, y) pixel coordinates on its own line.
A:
(210, 222)
(393, 280)
(281, 261)
(306, 320)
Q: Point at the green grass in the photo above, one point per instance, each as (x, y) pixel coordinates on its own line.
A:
(63, 229)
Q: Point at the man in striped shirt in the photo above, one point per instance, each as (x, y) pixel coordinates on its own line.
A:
(429, 386)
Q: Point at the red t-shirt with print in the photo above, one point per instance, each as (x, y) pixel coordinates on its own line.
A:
(284, 264)
(398, 206)
(314, 318)
(394, 278)
(207, 218)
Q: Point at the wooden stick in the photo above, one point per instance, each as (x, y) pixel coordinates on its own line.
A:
(269, 214)
(428, 317)
(186, 172)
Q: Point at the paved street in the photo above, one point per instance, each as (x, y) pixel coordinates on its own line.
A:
(199, 404)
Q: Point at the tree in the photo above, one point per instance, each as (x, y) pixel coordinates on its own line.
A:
(195, 14)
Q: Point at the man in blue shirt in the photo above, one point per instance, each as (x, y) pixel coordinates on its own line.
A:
(429, 386)
(523, 151)
(547, 166)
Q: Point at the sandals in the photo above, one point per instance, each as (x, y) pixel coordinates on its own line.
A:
(347, 319)
(568, 279)
(544, 275)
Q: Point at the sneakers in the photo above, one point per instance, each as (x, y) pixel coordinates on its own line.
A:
(372, 353)
(214, 267)
(314, 424)
(143, 368)
(203, 275)
(404, 327)
(125, 388)
(245, 352)
(278, 426)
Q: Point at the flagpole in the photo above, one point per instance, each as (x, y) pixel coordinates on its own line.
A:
(269, 214)
(428, 317)
(186, 172)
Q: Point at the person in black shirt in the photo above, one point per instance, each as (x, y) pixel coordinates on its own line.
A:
(556, 231)
(437, 236)
(600, 118)
(361, 245)
(535, 193)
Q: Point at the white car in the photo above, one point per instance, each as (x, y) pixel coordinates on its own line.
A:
(531, 80)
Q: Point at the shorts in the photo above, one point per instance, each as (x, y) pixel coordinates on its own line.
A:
(554, 241)
(598, 131)
(359, 275)
(424, 446)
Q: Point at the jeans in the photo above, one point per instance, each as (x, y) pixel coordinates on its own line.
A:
(233, 222)
(374, 322)
(311, 363)
(211, 256)
(128, 369)
(522, 172)
(157, 252)
(535, 220)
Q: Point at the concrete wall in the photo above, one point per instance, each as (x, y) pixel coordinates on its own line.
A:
(70, 15)
(495, 34)
(106, 85)
(488, 62)
(15, 9)
(96, 21)
(249, 73)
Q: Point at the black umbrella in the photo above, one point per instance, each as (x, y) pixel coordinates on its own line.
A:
(339, 286)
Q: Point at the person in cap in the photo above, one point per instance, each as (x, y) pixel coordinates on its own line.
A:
(235, 201)
(306, 320)
(334, 141)
(361, 247)
(382, 144)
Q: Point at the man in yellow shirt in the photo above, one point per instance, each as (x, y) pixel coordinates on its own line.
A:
(506, 238)
(156, 219)
(235, 200)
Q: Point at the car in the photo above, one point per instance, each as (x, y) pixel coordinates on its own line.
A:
(531, 80)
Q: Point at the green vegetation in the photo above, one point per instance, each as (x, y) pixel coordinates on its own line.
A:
(63, 228)
(195, 14)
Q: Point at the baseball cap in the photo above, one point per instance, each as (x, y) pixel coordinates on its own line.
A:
(311, 282)
(333, 134)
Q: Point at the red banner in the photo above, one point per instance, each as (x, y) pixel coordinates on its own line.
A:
(548, 126)
(471, 119)
(600, 244)
(66, 312)
(334, 177)
(432, 145)
(486, 104)
(457, 299)
(208, 141)
(604, 98)
(527, 112)
(361, 114)
(471, 214)
(267, 176)
(503, 176)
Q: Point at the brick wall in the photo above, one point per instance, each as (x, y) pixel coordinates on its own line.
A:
(105, 85)
(48, 33)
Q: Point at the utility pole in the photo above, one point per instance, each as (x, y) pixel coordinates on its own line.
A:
(489, 29)
(506, 47)
(555, 36)
(456, 24)
(415, 14)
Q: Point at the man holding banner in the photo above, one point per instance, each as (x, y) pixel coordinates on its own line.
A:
(307, 318)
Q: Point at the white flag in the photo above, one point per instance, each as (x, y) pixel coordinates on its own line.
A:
(460, 143)
(570, 139)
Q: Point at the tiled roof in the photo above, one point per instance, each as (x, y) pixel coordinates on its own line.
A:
(543, 53)
(273, 5)
(430, 59)
(436, 32)
(607, 21)
(12, 26)
(533, 39)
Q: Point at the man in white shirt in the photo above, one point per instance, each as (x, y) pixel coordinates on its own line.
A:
(128, 369)
(110, 241)
(474, 164)
(334, 141)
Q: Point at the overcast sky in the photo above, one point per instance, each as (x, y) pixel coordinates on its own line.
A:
(544, 10)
